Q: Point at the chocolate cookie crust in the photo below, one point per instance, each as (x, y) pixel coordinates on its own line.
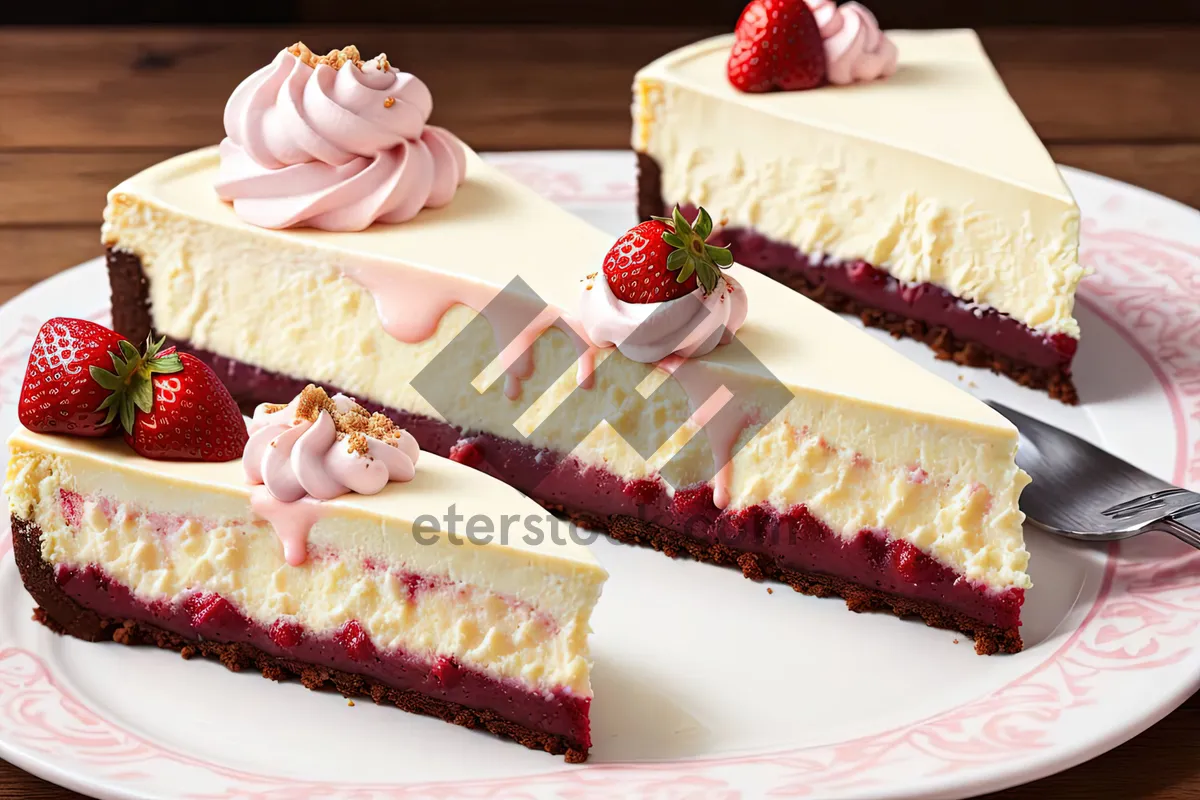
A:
(62, 614)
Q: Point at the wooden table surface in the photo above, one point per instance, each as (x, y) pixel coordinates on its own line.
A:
(80, 109)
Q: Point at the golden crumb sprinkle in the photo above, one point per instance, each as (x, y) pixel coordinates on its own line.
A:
(389, 102)
(312, 401)
(352, 421)
(382, 427)
(303, 54)
(357, 443)
(336, 58)
(271, 408)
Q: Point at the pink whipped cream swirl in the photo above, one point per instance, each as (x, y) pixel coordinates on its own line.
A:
(688, 326)
(300, 450)
(855, 48)
(334, 142)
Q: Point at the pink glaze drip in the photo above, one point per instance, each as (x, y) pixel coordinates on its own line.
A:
(709, 397)
(292, 521)
(412, 302)
(301, 462)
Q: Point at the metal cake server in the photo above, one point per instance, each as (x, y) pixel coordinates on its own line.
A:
(1083, 492)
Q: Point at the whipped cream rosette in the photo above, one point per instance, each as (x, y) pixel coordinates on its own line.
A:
(688, 326)
(314, 449)
(334, 142)
(702, 307)
(855, 47)
(323, 447)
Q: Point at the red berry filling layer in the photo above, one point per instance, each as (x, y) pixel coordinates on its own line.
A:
(875, 288)
(348, 649)
(793, 539)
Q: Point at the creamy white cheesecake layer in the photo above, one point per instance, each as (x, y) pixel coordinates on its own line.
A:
(863, 420)
(933, 174)
(166, 530)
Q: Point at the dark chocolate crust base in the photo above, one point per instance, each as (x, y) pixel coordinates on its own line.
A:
(945, 343)
(130, 295)
(62, 614)
(610, 508)
(989, 639)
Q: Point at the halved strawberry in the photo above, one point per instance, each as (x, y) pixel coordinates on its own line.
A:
(191, 417)
(662, 259)
(68, 387)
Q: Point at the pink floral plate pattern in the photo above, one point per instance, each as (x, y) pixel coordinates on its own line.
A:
(1139, 633)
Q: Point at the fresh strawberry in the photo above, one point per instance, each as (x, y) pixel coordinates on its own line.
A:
(191, 417)
(68, 388)
(662, 259)
(777, 45)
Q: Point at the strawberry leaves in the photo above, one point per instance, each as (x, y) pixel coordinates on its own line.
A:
(691, 254)
(130, 383)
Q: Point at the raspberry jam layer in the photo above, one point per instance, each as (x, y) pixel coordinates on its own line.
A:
(875, 288)
(789, 543)
(348, 649)
(794, 540)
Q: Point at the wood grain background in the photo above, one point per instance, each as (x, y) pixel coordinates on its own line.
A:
(82, 108)
(1121, 102)
(891, 13)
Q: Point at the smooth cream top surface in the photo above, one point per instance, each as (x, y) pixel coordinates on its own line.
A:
(942, 75)
(496, 229)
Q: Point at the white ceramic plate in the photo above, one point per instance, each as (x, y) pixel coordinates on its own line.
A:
(706, 684)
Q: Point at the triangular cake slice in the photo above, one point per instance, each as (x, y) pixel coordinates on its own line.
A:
(873, 479)
(389, 599)
(922, 202)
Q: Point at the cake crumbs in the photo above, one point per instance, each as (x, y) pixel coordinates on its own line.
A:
(381, 426)
(313, 400)
(355, 423)
(956, 641)
(770, 590)
(357, 444)
(336, 59)
(388, 102)
(350, 703)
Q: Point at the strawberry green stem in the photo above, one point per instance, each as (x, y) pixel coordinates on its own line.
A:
(131, 382)
(691, 253)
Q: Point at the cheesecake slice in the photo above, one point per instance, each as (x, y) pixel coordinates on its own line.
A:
(839, 467)
(385, 598)
(922, 202)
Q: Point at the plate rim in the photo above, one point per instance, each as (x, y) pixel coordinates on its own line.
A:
(981, 778)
